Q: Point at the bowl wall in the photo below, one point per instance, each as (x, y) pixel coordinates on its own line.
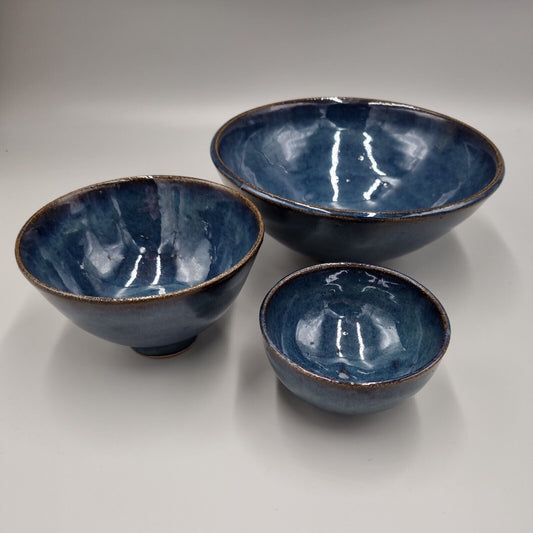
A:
(346, 238)
(346, 400)
(155, 326)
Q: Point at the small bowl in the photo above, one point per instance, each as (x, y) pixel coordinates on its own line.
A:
(148, 261)
(353, 338)
(355, 179)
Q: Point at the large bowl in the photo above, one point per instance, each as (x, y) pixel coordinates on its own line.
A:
(356, 179)
(148, 261)
(353, 338)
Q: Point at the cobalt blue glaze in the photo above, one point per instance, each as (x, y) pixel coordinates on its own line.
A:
(353, 338)
(148, 262)
(356, 179)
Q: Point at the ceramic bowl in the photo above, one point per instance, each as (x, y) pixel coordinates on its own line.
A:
(356, 179)
(147, 261)
(353, 338)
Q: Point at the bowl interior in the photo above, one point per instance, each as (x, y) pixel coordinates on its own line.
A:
(138, 237)
(359, 325)
(358, 155)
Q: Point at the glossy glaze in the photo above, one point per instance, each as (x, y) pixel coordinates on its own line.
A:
(147, 261)
(136, 239)
(316, 165)
(353, 338)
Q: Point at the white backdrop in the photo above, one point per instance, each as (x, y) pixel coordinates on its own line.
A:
(93, 437)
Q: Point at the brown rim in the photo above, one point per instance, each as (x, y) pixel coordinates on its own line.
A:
(353, 384)
(140, 299)
(369, 216)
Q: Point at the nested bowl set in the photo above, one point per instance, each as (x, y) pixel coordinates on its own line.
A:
(152, 261)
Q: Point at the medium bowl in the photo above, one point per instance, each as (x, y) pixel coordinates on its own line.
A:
(148, 261)
(356, 179)
(353, 338)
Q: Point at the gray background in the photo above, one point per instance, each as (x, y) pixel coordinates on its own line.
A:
(95, 438)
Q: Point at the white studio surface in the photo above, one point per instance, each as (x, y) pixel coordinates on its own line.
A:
(95, 438)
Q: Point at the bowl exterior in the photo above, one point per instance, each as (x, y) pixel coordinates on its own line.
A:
(154, 321)
(362, 239)
(345, 398)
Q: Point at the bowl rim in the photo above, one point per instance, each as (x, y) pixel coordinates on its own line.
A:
(352, 384)
(252, 252)
(349, 214)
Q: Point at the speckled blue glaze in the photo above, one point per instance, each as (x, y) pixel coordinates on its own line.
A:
(356, 179)
(353, 338)
(148, 261)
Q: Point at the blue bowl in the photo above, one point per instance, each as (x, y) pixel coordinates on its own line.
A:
(355, 179)
(353, 338)
(148, 261)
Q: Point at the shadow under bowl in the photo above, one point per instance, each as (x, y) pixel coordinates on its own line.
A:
(148, 261)
(356, 179)
(353, 338)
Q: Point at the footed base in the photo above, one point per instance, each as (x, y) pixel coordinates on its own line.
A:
(163, 352)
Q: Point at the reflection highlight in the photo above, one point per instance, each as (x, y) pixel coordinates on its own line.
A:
(334, 164)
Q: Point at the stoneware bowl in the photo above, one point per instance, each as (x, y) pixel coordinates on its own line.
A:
(356, 179)
(147, 261)
(353, 338)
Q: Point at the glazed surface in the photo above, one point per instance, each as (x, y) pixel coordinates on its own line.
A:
(354, 325)
(357, 155)
(138, 238)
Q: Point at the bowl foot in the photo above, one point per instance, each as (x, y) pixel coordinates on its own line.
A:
(164, 352)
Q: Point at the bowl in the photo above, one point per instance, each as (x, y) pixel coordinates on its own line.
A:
(353, 338)
(356, 179)
(148, 261)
